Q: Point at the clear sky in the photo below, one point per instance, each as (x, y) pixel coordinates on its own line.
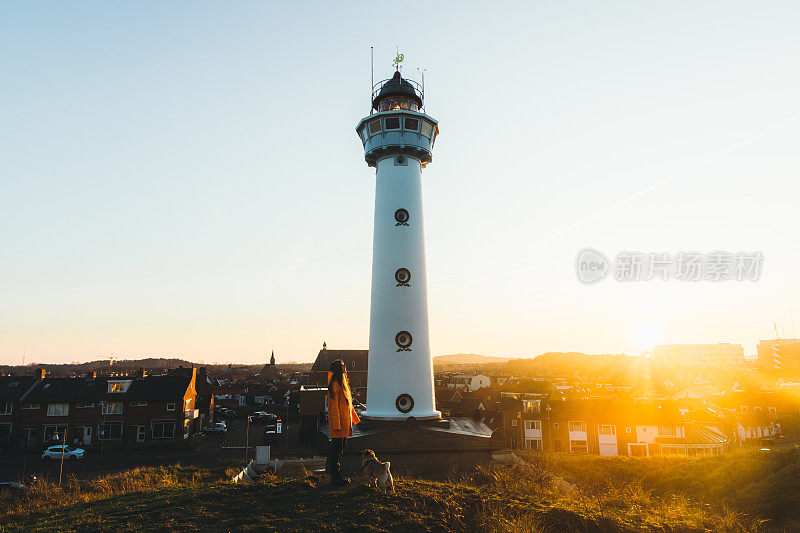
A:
(184, 179)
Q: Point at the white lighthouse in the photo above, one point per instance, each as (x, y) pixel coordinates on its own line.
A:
(398, 141)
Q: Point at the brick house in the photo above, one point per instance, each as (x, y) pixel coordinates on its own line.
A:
(12, 389)
(93, 410)
(356, 361)
(609, 426)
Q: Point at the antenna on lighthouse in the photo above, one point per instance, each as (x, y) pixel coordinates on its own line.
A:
(371, 71)
(422, 74)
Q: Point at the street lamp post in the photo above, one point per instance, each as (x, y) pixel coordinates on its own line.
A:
(102, 426)
(286, 427)
(63, 449)
(549, 428)
(247, 441)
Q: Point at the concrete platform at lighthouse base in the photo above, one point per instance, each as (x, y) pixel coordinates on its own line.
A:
(428, 448)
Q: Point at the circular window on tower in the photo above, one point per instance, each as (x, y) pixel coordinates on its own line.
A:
(403, 340)
(401, 216)
(402, 276)
(400, 160)
(404, 403)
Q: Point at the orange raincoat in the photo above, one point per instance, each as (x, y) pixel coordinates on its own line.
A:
(341, 415)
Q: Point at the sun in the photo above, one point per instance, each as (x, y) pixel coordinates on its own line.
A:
(645, 337)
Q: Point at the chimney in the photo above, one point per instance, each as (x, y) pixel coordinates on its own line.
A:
(39, 373)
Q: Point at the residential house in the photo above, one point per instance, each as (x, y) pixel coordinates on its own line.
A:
(12, 389)
(356, 362)
(93, 409)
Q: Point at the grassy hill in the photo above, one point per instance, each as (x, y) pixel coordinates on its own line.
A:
(739, 492)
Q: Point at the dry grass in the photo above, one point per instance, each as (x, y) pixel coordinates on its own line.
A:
(610, 497)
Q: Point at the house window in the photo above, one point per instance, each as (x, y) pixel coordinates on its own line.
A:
(579, 425)
(84, 405)
(140, 433)
(628, 429)
(578, 446)
(30, 405)
(109, 430)
(412, 124)
(138, 404)
(170, 407)
(533, 444)
(772, 410)
(374, 127)
(743, 409)
(608, 430)
(637, 450)
(58, 409)
(54, 433)
(513, 422)
(118, 386)
(7, 408)
(188, 404)
(530, 406)
(533, 424)
(555, 425)
(164, 430)
(112, 408)
(669, 431)
(757, 409)
(5, 432)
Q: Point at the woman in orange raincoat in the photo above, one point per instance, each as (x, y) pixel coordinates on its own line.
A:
(341, 418)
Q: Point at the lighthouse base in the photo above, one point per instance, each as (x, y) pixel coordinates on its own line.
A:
(368, 416)
(430, 449)
(416, 436)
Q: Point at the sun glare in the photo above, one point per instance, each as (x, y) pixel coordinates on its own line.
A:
(645, 337)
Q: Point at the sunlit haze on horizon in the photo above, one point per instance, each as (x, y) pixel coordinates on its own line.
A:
(185, 180)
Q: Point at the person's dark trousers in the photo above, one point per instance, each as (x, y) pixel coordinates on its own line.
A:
(335, 458)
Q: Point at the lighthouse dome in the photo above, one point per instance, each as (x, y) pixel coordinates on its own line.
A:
(397, 93)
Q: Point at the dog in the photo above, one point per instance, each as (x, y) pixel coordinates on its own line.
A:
(375, 472)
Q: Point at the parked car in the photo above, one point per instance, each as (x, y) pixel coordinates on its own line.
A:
(224, 412)
(12, 488)
(259, 416)
(54, 453)
(274, 427)
(216, 427)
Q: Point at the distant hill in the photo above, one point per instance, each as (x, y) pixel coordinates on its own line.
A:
(570, 363)
(151, 364)
(468, 359)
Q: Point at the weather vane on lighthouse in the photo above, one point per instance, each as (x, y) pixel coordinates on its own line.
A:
(398, 142)
(398, 58)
